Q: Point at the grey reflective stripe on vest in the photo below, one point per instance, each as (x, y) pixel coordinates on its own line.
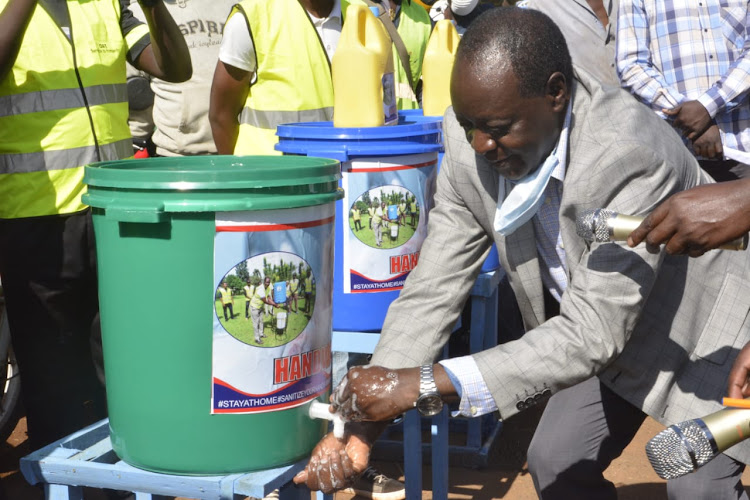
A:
(51, 100)
(270, 119)
(21, 163)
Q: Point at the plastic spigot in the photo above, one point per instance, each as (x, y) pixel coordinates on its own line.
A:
(320, 410)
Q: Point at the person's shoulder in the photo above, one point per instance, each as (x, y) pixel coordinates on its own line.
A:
(611, 129)
(608, 107)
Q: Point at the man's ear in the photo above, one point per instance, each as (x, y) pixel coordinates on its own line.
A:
(557, 91)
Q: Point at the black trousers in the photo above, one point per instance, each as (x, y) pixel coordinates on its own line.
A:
(229, 307)
(725, 170)
(48, 270)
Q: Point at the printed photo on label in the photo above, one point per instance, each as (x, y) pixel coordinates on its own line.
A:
(266, 300)
(384, 217)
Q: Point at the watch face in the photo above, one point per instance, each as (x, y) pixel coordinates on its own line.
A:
(429, 404)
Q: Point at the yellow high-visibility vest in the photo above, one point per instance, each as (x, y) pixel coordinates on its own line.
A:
(292, 82)
(226, 295)
(69, 108)
(258, 296)
(414, 27)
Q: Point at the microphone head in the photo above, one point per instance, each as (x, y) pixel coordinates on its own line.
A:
(681, 448)
(593, 224)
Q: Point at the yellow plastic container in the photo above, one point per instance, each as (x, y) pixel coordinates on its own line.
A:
(437, 67)
(364, 93)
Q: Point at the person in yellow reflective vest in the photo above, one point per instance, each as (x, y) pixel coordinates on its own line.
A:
(307, 286)
(63, 89)
(356, 219)
(293, 290)
(226, 301)
(402, 213)
(261, 298)
(371, 213)
(249, 290)
(269, 305)
(274, 67)
(414, 26)
(412, 209)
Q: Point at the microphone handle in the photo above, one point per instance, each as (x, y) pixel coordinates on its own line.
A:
(620, 226)
(728, 427)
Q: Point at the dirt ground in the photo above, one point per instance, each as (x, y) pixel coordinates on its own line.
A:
(505, 476)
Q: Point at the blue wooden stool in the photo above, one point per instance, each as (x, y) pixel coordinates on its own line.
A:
(86, 459)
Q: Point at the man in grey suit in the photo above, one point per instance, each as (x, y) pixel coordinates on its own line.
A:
(637, 333)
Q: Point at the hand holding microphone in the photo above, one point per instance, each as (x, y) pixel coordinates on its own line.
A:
(698, 219)
(602, 225)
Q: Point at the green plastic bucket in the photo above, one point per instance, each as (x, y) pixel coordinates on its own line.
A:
(193, 388)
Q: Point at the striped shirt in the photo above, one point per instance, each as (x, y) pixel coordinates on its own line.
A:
(671, 51)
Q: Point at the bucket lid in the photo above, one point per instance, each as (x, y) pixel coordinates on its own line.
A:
(189, 173)
(143, 190)
(412, 135)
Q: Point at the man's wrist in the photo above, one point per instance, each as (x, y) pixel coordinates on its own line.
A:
(367, 432)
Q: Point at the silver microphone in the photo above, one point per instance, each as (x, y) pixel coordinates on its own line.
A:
(602, 225)
(682, 448)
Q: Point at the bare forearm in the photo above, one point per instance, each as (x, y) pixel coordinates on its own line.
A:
(225, 130)
(228, 94)
(171, 57)
(13, 22)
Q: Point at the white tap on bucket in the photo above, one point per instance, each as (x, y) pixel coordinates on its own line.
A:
(320, 410)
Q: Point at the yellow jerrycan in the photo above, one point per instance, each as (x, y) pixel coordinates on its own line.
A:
(437, 67)
(364, 92)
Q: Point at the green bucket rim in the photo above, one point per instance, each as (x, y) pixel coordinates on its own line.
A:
(211, 172)
(147, 190)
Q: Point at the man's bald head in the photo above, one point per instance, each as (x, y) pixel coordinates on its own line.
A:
(527, 40)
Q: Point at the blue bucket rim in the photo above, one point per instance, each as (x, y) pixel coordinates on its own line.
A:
(326, 130)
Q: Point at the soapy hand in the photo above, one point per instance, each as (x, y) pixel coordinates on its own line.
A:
(374, 393)
(335, 463)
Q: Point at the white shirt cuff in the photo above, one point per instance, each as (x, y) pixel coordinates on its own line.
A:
(476, 399)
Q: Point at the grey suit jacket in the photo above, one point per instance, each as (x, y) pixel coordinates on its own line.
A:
(661, 331)
(591, 45)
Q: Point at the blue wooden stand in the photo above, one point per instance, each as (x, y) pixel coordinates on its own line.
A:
(86, 459)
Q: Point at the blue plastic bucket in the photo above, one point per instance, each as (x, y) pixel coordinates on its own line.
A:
(492, 262)
(279, 292)
(393, 165)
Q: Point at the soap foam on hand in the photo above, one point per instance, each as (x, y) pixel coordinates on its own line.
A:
(320, 410)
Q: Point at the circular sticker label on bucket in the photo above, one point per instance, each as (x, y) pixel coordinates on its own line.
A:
(273, 273)
(266, 300)
(392, 195)
(384, 217)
